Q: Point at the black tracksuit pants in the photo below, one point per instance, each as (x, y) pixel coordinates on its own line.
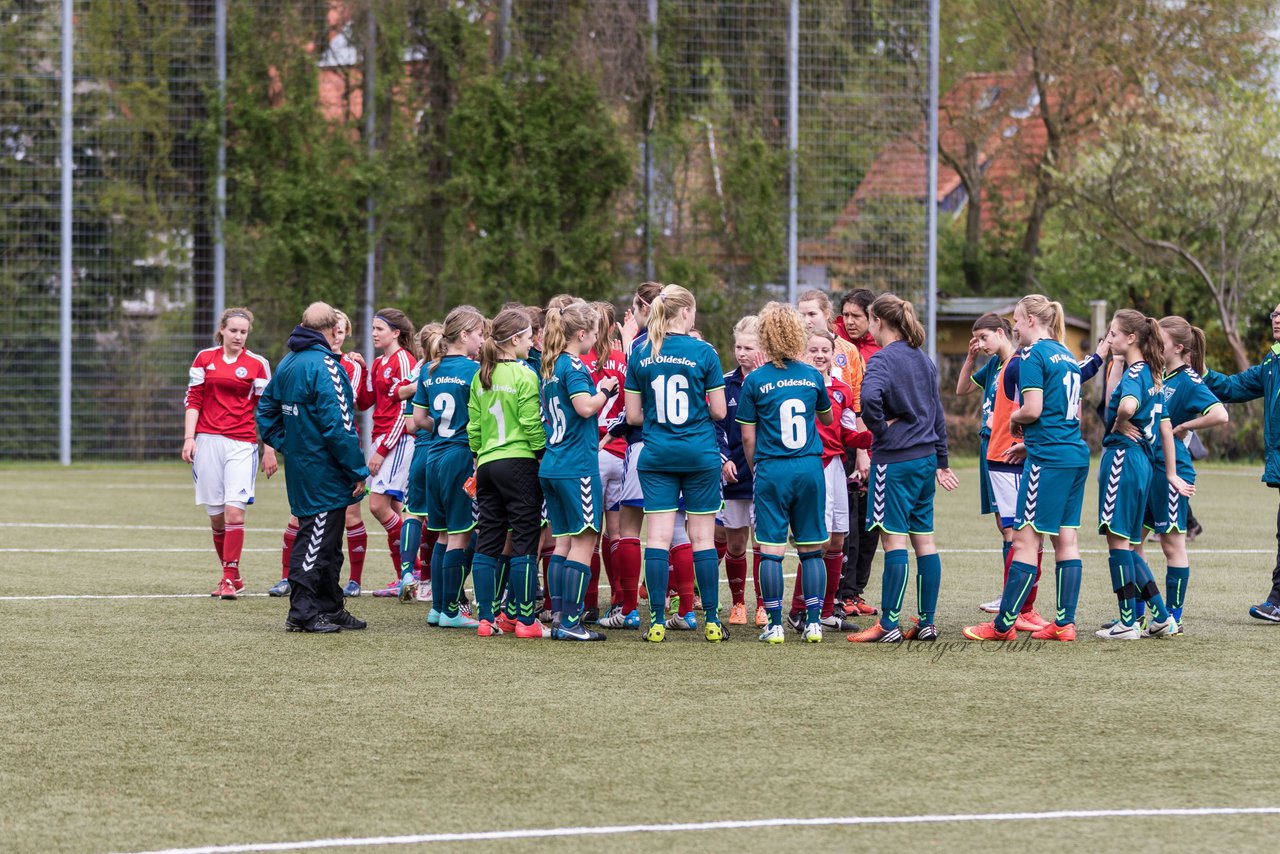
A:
(314, 566)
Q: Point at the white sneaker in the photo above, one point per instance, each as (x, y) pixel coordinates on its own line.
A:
(423, 593)
(772, 634)
(1167, 629)
(992, 607)
(687, 623)
(1119, 632)
(613, 619)
(812, 633)
(839, 625)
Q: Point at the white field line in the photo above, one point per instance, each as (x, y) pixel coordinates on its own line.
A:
(74, 526)
(687, 827)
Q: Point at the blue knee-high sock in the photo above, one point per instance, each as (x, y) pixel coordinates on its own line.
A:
(484, 571)
(502, 586)
(1175, 588)
(1021, 576)
(813, 584)
(1121, 563)
(410, 539)
(893, 588)
(1147, 587)
(771, 587)
(523, 580)
(576, 576)
(437, 574)
(928, 583)
(452, 571)
(555, 581)
(657, 572)
(1068, 574)
(706, 573)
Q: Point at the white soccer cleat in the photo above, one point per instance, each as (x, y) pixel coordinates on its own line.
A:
(772, 634)
(992, 607)
(812, 633)
(1167, 629)
(1119, 631)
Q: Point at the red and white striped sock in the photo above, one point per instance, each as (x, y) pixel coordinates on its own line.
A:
(232, 546)
(290, 535)
(392, 527)
(357, 544)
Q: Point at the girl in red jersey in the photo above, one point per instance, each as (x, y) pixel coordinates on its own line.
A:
(220, 438)
(357, 538)
(838, 438)
(391, 448)
(607, 360)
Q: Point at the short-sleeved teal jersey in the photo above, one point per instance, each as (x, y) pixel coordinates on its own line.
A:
(985, 378)
(1186, 396)
(783, 404)
(421, 438)
(444, 391)
(673, 386)
(572, 441)
(1053, 440)
(1139, 384)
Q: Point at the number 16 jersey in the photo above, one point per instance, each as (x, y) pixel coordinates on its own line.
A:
(673, 387)
(1053, 440)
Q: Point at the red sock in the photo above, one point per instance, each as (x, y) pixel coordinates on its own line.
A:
(357, 543)
(755, 574)
(392, 527)
(627, 560)
(429, 540)
(606, 561)
(736, 570)
(219, 538)
(835, 564)
(591, 598)
(682, 575)
(722, 549)
(290, 534)
(1030, 604)
(232, 546)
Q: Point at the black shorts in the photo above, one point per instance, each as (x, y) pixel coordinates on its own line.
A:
(509, 498)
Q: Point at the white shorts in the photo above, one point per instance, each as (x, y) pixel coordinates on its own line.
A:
(1004, 494)
(224, 472)
(393, 478)
(612, 475)
(632, 494)
(837, 497)
(738, 513)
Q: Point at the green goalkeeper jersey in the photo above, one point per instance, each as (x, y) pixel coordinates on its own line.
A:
(508, 415)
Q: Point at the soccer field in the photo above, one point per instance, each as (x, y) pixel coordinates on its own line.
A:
(140, 714)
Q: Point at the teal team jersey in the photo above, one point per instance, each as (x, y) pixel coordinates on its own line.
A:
(783, 404)
(673, 386)
(1185, 397)
(985, 378)
(1138, 384)
(1053, 440)
(444, 392)
(572, 441)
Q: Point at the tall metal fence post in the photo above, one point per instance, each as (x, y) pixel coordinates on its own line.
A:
(504, 27)
(371, 258)
(793, 148)
(931, 202)
(220, 182)
(649, 121)
(64, 308)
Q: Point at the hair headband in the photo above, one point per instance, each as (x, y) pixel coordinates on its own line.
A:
(527, 330)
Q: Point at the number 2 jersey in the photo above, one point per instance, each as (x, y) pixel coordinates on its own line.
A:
(783, 404)
(1053, 440)
(444, 393)
(1139, 384)
(673, 385)
(572, 441)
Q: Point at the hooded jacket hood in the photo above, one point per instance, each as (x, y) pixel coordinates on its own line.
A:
(303, 337)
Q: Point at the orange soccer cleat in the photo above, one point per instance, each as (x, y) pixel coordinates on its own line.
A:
(1029, 622)
(989, 632)
(1055, 632)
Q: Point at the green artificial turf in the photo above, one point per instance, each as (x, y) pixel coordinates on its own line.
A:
(138, 724)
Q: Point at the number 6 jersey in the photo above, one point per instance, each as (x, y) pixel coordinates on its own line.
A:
(1053, 440)
(783, 404)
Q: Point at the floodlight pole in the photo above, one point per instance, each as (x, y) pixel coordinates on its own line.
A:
(220, 181)
(371, 259)
(931, 201)
(64, 307)
(650, 118)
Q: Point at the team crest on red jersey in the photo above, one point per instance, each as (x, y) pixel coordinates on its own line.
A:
(842, 360)
(241, 372)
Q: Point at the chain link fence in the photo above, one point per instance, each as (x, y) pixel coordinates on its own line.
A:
(324, 203)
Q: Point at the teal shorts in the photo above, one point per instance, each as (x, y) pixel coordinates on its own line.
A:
(664, 489)
(449, 508)
(1167, 511)
(791, 493)
(1049, 499)
(986, 502)
(573, 504)
(1124, 479)
(900, 496)
(415, 501)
